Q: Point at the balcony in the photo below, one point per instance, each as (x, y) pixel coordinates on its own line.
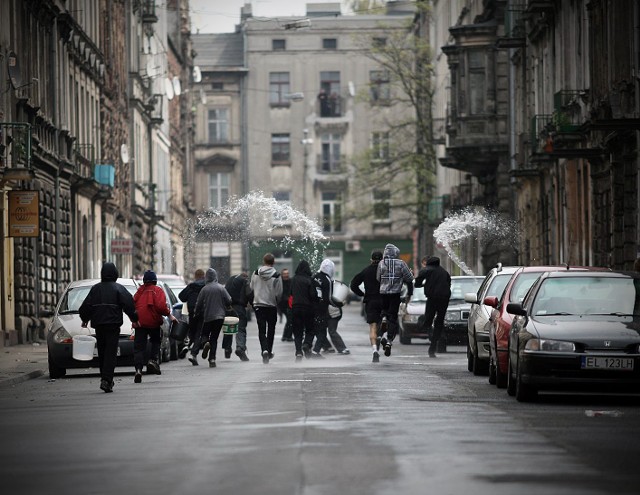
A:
(514, 28)
(330, 164)
(559, 135)
(149, 12)
(15, 151)
(84, 160)
(332, 106)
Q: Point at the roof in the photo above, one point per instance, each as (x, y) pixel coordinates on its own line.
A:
(218, 49)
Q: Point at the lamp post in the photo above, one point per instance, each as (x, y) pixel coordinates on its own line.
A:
(306, 141)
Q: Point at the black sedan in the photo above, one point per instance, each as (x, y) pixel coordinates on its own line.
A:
(576, 330)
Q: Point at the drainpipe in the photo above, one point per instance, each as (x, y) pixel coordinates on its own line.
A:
(636, 69)
(246, 262)
(57, 117)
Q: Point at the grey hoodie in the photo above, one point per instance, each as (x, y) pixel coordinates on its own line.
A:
(213, 299)
(393, 272)
(266, 285)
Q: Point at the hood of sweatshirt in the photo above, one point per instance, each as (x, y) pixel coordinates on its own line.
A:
(303, 268)
(433, 261)
(327, 266)
(109, 272)
(211, 276)
(391, 251)
(266, 272)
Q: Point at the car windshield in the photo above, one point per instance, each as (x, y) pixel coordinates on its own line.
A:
(73, 298)
(496, 288)
(461, 286)
(587, 295)
(521, 286)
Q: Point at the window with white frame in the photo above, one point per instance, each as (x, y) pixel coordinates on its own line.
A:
(381, 205)
(380, 146)
(330, 159)
(331, 211)
(281, 215)
(218, 189)
(280, 152)
(218, 123)
(278, 88)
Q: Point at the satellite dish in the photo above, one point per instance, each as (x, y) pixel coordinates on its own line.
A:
(352, 89)
(124, 153)
(14, 71)
(151, 69)
(197, 74)
(203, 96)
(168, 88)
(177, 88)
(153, 46)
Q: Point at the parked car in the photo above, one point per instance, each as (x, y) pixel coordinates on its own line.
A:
(66, 324)
(175, 305)
(576, 330)
(172, 280)
(500, 321)
(478, 351)
(455, 319)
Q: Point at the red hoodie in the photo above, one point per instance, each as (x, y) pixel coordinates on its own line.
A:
(151, 305)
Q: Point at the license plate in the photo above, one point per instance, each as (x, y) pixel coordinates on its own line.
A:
(607, 363)
(95, 351)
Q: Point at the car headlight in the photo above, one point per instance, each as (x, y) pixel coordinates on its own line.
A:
(548, 345)
(452, 316)
(61, 336)
(410, 318)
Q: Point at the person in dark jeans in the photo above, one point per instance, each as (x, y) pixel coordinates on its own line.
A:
(283, 306)
(103, 307)
(189, 295)
(303, 299)
(240, 292)
(437, 288)
(266, 285)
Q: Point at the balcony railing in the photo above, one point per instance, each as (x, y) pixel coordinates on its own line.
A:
(331, 107)
(149, 11)
(330, 164)
(15, 145)
(540, 129)
(85, 160)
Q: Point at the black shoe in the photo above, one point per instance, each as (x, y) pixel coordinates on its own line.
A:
(387, 349)
(183, 352)
(205, 350)
(193, 359)
(383, 342)
(138, 377)
(344, 352)
(329, 350)
(432, 354)
(299, 356)
(153, 368)
(316, 355)
(383, 325)
(106, 386)
(212, 363)
(227, 352)
(376, 357)
(265, 357)
(271, 355)
(242, 355)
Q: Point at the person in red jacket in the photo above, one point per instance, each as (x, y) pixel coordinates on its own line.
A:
(151, 305)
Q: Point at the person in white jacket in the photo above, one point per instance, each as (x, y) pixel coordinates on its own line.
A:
(266, 285)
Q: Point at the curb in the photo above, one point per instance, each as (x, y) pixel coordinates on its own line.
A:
(22, 378)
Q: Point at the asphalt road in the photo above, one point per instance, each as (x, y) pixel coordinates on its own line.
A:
(341, 425)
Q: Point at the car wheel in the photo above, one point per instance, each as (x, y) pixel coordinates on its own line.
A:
(511, 380)
(501, 378)
(55, 371)
(404, 339)
(524, 392)
(470, 358)
(479, 367)
(492, 371)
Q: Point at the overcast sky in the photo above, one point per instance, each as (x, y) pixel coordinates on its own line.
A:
(221, 16)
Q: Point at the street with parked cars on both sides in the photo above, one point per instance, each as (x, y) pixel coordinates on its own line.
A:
(408, 424)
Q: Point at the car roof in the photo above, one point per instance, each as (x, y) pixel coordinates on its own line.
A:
(505, 270)
(88, 282)
(592, 273)
(467, 276)
(567, 268)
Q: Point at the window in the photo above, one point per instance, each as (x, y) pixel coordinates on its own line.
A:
(379, 42)
(329, 97)
(217, 86)
(281, 215)
(330, 159)
(329, 43)
(278, 45)
(331, 212)
(477, 81)
(381, 205)
(218, 125)
(218, 190)
(278, 88)
(379, 85)
(380, 146)
(280, 149)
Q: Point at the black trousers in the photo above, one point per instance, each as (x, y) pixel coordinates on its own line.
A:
(210, 333)
(107, 339)
(434, 313)
(302, 326)
(140, 346)
(390, 307)
(321, 324)
(266, 318)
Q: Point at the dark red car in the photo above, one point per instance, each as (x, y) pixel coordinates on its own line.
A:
(500, 321)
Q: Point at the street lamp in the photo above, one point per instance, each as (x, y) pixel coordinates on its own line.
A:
(306, 141)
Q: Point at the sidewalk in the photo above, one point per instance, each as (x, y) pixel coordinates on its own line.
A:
(22, 362)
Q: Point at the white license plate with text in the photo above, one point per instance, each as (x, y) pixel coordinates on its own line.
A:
(95, 351)
(607, 363)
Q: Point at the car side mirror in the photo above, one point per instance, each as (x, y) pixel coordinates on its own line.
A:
(491, 301)
(516, 309)
(471, 297)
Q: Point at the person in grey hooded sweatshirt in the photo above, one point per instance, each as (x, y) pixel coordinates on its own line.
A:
(392, 273)
(266, 285)
(211, 307)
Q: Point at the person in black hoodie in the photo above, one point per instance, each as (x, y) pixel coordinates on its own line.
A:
(437, 288)
(303, 298)
(371, 299)
(240, 292)
(189, 295)
(103, 307)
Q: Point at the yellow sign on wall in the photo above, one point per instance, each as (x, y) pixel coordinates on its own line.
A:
(24, 214)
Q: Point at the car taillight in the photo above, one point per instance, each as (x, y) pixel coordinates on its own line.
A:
(61, 336)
